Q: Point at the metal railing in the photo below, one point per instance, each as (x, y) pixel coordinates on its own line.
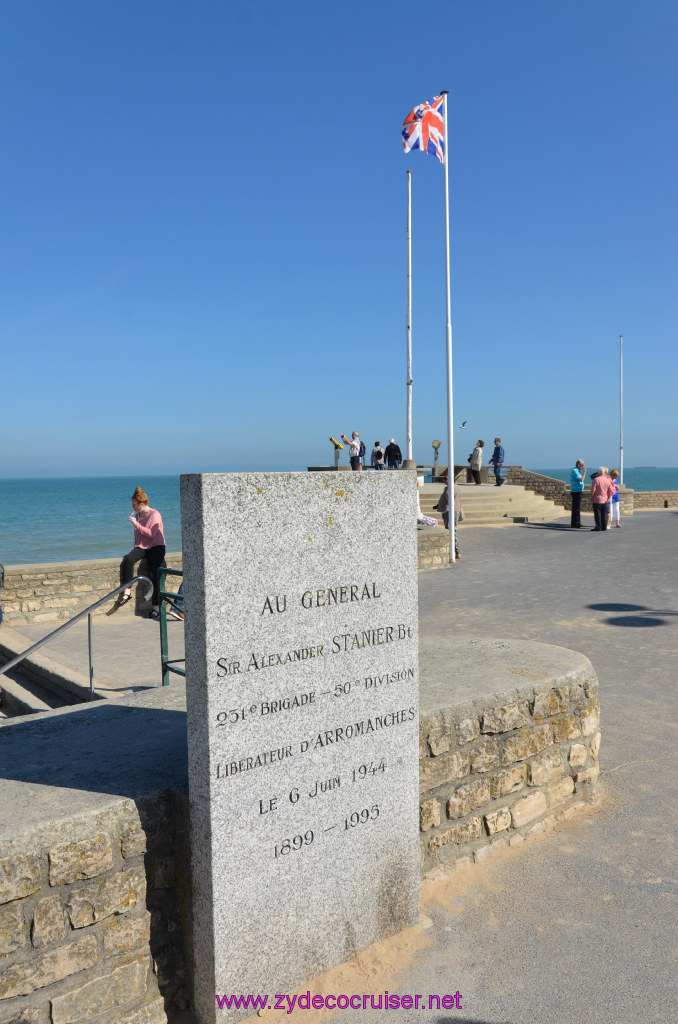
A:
(166, 597)
(71, 622)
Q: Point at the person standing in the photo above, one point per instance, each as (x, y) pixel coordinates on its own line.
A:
(601, 493)
(377, 457)
(393, 454)
(477, 461)
(577, 477)
(353, 449)
(614, 504)
(149, 543)
(443, 507)
(497, 461)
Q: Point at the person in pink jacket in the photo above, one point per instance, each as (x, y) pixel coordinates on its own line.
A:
(149, 543)
(602, 490)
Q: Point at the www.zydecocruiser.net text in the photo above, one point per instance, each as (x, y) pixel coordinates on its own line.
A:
(383, 1001)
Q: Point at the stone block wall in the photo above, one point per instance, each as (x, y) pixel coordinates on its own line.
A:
(434, 547)
(558, 491)
(656, 499)
(495, 772)
(89, 925)
(55, 591)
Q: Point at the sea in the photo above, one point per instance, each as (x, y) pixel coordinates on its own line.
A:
(61, 519)
(638, 478)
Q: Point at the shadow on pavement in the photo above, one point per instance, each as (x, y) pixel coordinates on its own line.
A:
(562, 527)
(643, 618)
(104, 748)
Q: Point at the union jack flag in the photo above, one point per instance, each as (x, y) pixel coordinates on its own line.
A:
(423, 128)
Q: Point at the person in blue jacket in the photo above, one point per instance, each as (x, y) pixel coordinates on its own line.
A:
(577, 477)
(497, 461)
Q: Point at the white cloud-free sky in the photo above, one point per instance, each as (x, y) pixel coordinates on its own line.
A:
(203, 230)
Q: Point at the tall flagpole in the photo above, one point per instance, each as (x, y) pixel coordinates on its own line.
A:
(621, 409)
(408, 430)
(448, 341)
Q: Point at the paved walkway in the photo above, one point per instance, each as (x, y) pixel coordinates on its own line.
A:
(579, 926)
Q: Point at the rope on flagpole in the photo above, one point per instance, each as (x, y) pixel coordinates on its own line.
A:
(448, 343)
(408, 423)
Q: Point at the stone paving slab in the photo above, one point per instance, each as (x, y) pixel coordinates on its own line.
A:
(128, 746)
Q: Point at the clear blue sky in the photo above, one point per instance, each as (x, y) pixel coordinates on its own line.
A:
(203, 230)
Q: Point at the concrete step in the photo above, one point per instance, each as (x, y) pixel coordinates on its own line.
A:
(488, 503)
(20, 695)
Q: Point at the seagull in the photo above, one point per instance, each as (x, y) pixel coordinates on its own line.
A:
(463, 425)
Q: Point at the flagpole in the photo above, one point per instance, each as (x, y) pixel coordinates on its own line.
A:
(448, 341)
(621, 409)
(408, 430)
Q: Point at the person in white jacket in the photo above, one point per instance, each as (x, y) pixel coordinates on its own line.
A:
(477, 461)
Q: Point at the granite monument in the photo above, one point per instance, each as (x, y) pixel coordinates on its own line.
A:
(302, 695)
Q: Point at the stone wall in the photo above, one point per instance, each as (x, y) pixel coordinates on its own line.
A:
(558, 491)
(495, 772)
(89, 924)
(656, 499)
(434, 547)
(55, 591)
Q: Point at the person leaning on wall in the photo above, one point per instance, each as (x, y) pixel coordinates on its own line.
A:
(149, 543)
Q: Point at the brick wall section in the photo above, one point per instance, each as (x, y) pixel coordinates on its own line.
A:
(90, 927)
(559, 492)
(55, 591)
(495, 772)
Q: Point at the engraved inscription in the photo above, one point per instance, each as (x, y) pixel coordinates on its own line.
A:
(354, 730)
(339, 595)
(342, 643)
(361, 772)
(296, 843)
(351, 821)
(323, 597)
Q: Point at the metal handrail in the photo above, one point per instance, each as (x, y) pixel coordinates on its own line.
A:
(71, 622)
(167, 598)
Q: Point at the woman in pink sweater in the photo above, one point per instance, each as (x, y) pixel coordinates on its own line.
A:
(149, 543)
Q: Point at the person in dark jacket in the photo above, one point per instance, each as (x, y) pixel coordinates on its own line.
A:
(393, 454)
(497, 461)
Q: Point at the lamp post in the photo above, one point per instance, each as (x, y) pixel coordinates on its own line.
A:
(621, 409)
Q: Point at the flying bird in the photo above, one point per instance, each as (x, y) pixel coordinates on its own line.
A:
(462, 425)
